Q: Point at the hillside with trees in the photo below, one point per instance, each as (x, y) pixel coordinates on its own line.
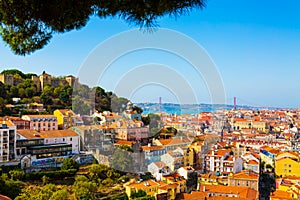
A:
(81, 98)
(90, 182)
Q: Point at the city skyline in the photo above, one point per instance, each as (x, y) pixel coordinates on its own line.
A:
(254, 45)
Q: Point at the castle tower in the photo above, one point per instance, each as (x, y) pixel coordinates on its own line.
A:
(72, 81)
(45, 79)
(7, 79)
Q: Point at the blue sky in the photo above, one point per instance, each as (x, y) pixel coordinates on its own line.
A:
(254, 44)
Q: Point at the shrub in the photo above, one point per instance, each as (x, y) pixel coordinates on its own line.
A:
(69, 163)
(53, 174)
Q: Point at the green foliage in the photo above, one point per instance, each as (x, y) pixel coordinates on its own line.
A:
(146, 120)
(139, 193)
(146, 176)
(148, 197)
(123, 179)
(118, 104)
(191, 182)
(139, 110)
(108, 182)
(79, 99)
(7, 169)
(125, 148)
(60, 195)
(16, 174)
(154, 123)
(45, 179)
(97, 171)
(47, 192)
(103, 174)
(69, 163)
(83, 188)
(28, 25)
(122, 159)
(120, 197)
(13, 72)
(3, 90)
(10, 187)
(262, 164)
(58, 175)
(81, 106)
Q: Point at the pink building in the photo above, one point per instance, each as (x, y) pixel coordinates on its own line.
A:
(41, 122)
(132, 131)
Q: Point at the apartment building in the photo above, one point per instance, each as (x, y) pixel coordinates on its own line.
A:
(153, 153)
(220, 160)
(42, 122)
(132, 130)
(7, 141)
(173, 159)
(244, 178)
(48, 143)
(19, 122)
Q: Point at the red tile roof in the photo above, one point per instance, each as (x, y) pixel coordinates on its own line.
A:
(31, 134)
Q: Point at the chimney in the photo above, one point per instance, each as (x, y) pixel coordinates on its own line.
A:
(149, 144)
(204, 188)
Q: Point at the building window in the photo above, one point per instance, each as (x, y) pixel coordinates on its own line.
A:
(70, 139)
(63, 139)
(290, 171)
(289, 165)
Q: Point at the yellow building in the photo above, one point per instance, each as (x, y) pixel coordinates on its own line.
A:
(241, 123)
(209, 179)
(287, 167)
(192, 155)
(67, 118)
(177, 179)
(150, 187)
(153, 188)
(260, 125)
(170, 189)
(288, 187)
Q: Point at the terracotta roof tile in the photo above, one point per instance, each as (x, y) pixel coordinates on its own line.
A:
(152, 148)
(246, 175)
(30, 134)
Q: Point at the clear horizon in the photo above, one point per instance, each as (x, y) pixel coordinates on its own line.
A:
(255, 46)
